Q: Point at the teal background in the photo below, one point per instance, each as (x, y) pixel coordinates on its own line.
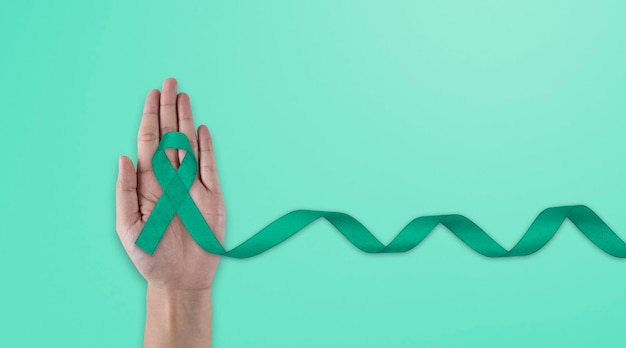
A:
(385, 110)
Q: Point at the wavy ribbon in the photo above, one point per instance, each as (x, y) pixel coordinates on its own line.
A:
(176, 200)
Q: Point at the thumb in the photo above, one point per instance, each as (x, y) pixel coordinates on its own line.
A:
(126, 204)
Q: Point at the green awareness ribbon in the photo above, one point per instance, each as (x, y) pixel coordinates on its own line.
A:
(176, 200)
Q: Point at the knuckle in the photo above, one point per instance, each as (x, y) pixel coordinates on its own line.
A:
(144, 169)
(218, 213)
(214, 189)
(147, 137)
(150, 113)
(166, 129)
(185, 116)
(207, 167)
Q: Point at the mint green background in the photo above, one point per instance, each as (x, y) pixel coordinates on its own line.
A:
(386, 110)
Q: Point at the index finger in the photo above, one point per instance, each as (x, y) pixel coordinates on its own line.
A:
(148, 136)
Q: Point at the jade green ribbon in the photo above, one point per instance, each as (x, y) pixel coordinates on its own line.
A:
(176, 200)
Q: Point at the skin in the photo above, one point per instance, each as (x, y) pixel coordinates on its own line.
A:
(179, 273)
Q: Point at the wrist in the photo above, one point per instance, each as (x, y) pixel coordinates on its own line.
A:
(178, 317)
(178, 296)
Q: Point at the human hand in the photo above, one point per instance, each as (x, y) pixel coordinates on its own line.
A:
(178, 263)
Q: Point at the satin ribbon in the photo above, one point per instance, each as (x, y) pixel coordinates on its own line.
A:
(176, 200)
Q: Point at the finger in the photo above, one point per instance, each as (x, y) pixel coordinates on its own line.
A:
(148, 136)
(126, 204)
(208, 169)
(167, 115)
(185, 124)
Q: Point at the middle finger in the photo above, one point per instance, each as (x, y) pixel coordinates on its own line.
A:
(167, 115)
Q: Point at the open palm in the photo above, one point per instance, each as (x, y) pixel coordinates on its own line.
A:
(179, 262)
